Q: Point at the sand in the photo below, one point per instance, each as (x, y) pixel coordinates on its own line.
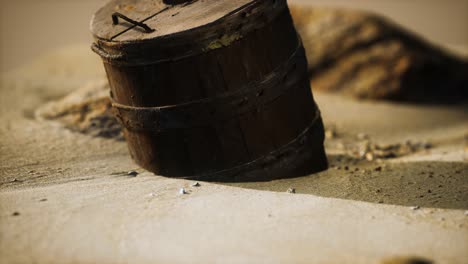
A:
(441, 22)
(66, 197)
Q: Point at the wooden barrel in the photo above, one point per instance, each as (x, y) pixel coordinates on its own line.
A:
(211, 89)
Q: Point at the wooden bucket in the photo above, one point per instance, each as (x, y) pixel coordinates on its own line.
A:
(212, 89)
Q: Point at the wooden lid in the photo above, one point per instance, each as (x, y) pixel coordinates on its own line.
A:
(141, 32)
(164, 19)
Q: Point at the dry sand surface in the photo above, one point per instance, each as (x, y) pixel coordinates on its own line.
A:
(66, 197)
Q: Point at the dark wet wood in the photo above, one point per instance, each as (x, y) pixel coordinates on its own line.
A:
(227, 144)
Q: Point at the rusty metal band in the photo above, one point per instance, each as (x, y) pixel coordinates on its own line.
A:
(282, 158)
(235, 26)
(208, 111)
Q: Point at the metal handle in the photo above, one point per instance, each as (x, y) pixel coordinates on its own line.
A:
(117, 15)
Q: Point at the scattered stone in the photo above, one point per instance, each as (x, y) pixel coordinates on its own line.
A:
(291, 190)
(196, 184)
(414, 208)
(427, 145)
(16, 214)
(43, 200)
(378, 168)
(330, 133)
(152, 194)
(182, 191)
(377, 152)
(466, 213)
(346, 168)
(132, 173)
(362, 136)
(380, 202)
(369, 156)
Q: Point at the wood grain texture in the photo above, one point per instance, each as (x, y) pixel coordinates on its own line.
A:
(164, 18)
(244, 144)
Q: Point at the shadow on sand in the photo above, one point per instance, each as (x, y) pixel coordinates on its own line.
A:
(425, 184)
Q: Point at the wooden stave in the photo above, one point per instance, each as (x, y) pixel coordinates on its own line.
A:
(199, 152)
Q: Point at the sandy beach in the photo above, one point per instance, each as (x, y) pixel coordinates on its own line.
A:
(66, 197)
(396, 190)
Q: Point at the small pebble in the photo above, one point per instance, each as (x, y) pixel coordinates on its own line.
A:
(427, 145)
(15, 214)
(182, 191)
(196, 184)
(346, 168)
(132, 173)
(291, 190)
(466, 213)
(378, 168)
(152, 194)
(43, 200)
(362, 136)
(369, 156)
(417, 207)
(330, 134)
